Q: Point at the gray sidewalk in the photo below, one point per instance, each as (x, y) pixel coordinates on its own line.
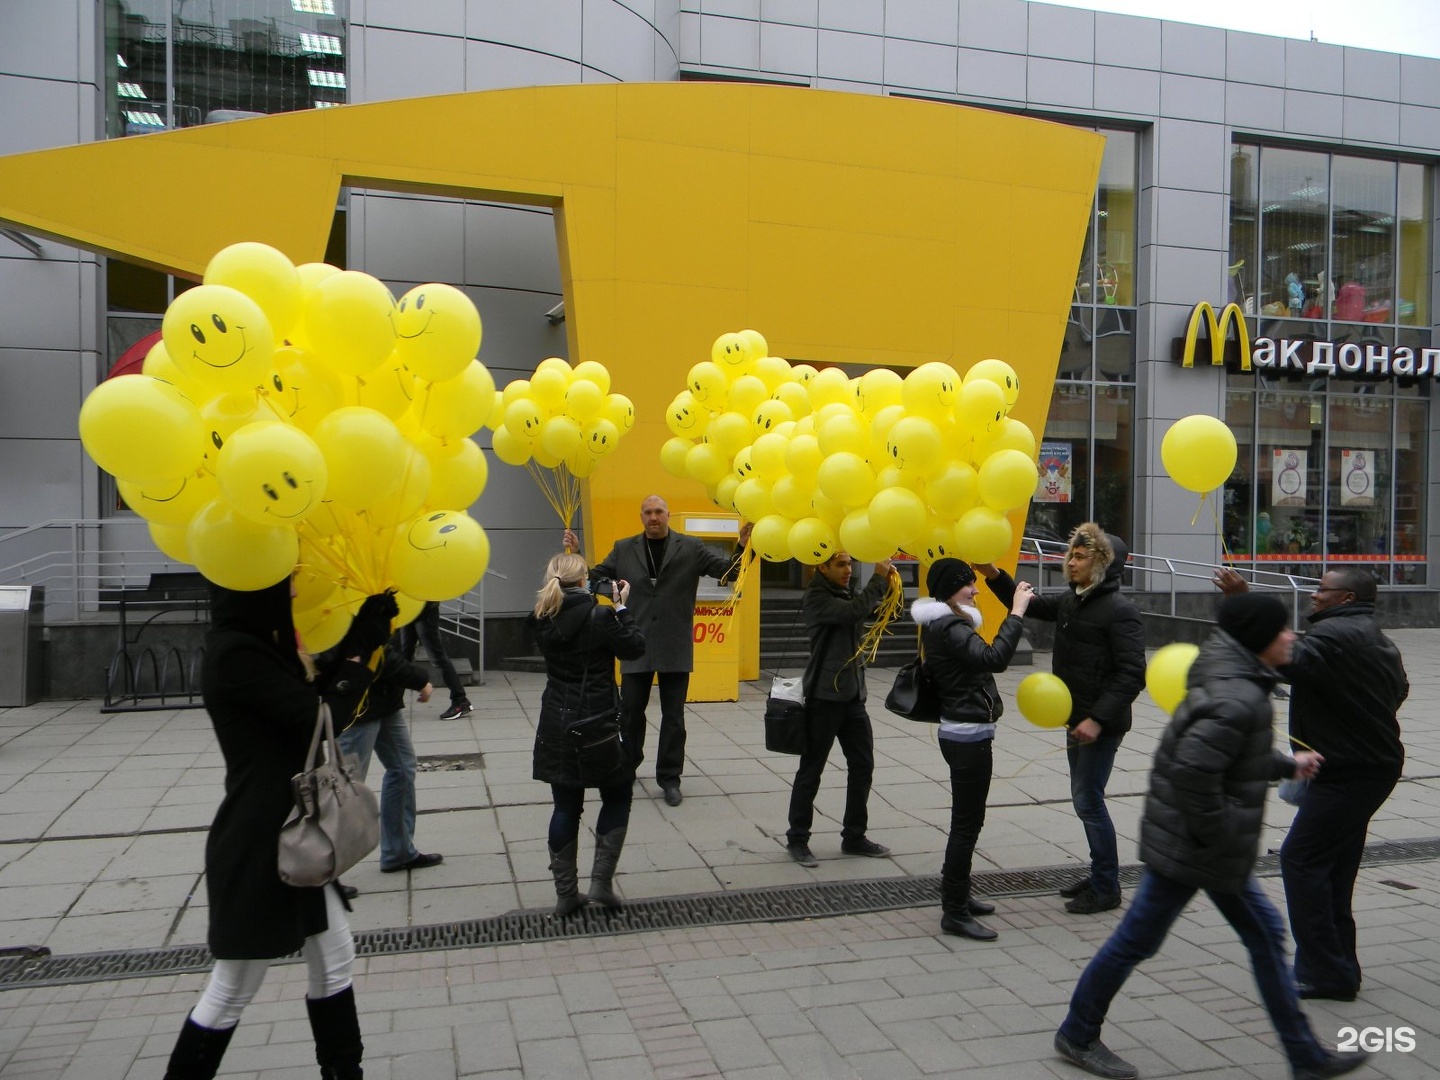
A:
(102, 827)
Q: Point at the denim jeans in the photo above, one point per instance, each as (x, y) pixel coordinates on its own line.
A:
(635, 699)
(1157, 903)
(826, 721)
(1090, 765)
(971, 764)
(1318, 862)
(389, 738)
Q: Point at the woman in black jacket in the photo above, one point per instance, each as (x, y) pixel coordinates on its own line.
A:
(962, 666)
(580, 641)
(263, 704)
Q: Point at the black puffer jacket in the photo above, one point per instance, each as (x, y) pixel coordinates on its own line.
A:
(580, 644)
(962, 664)
(1206, 803)
(834, 624)
(1348, 684)
(1099, 645)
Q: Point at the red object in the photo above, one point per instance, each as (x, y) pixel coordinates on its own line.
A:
(133, 359)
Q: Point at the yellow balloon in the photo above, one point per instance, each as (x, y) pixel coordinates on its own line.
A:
(509, 447)
(560, 435)
(897, 516)
(583, 400)
(769, 415)
(365, 454)
(172, 540)
(794, 396)
(672, 455)
(723, 493)
(581, 463)
(619, 410)
(592, 371)
(953, 490)
(858, 537)
(982, 535)
(264, 274)
(913, 444)
(708, 384)
(1199, 452)
(1044, 700)
(890, 476)
(439, 555)
(219, 338)
(313, 579)
(1007, 479)
(142, 429)
(773, 371)
(929, 390)
(311, 274)
(812, 541)
(845, 478)
(936, 542)
(980, 407)
(389, 389)
(767, 453)
(791, 496)
(754, 343)
(729, 432)
(170, 502)
(547, 388)
(302, 390)
(686, 417)
(752, 499)
(771, 537)
(599, 437)
(829, 386)
(410, 608)
(843, 432)
(731, 353)
(514, 390)
(1167, 674)
(437, 331)
(746, 394)
(458, 474)
(272, 473)
(1001, 374)
(705, 463)
(879, 389)
(1010, 434)
(348, 320)
(803, 456)
(323, 626)
(410, 496)
(524, 419)
(158, 365)
(237, 553)
(458, 407)
(743, 464)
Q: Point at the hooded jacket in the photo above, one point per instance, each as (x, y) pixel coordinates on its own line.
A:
(962, 666)
(1206, 803)
(834, 616)
(1099, 637)
(1347, 684)
(263, 710)
(580, 643)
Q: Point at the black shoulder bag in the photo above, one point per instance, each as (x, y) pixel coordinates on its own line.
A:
(914, 695)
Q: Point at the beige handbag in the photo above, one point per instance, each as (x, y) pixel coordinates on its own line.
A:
(336, 820)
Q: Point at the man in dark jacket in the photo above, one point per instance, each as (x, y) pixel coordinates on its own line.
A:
(1201, 830)
(1347, 684)
(381, 728)
(664, 569)
(834, 683)
(1100, 656)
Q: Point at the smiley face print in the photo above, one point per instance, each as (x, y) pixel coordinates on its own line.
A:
(219, 338)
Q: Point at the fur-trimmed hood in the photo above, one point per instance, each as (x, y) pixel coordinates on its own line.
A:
(1111, 552)
(926, 610)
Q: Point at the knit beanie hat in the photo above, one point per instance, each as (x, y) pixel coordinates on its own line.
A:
(1253, 619)
(946, 577)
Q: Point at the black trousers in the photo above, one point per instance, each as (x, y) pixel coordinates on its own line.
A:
(635, 699)
(1318, 863)
(426, 629)
(825, 722)
(971, 764)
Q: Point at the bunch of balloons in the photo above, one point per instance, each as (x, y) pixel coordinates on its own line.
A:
(559, 424)
(929, 464)
(298, 420)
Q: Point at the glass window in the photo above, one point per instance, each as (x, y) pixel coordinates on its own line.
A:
(1115, 221)
(1289, 474)
(1244, 230)
(1416, 214)
(1294, 206)
(1239, 526)
(1358, 474)
(1411, 448)
(1362, 240)
(1114, 458)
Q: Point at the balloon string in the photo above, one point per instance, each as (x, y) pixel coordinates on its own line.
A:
(1048, 753)
(890, 609)
(1199, 507)
(1226, 554)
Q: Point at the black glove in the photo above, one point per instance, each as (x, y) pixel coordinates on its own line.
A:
(370, 628)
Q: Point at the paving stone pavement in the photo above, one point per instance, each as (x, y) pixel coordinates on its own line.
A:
(102, 826)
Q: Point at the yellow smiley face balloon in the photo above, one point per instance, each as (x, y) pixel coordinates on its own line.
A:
(439, 555)
(272, 473)
(437, 331)
(219, 338)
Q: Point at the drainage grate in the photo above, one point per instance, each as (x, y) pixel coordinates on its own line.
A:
(778, 903)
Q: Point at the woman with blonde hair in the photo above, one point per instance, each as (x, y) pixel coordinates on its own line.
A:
(580, 640)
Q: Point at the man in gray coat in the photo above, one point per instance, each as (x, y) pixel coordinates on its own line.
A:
(664, 569)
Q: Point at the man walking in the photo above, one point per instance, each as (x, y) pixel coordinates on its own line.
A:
(424, 629)
(1347, 683)
(1201, 830)
(1100, 656)
(664, 569)
(835, 695)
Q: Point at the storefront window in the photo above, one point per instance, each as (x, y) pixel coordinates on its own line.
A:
(1416, 215)
(1294, 207)
(1362, 238)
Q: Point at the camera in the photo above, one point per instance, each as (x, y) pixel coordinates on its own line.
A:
(602, 586)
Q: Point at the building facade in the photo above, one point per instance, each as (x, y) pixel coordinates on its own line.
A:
(1292, 179)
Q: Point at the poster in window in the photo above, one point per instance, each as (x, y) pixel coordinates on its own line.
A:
(1287, 476)
(1357, 478)
(1054, 486)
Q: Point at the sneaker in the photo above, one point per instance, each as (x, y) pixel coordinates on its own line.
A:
(1069, 892)
(1089, 902)
(672, 794)
(802, 854)
(1095, 1059)
(419, 862)
(456, 710)
(1336, 1063)
(864, 846)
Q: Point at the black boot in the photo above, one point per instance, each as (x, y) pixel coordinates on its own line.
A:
(338, 1047)
(956, 915)
(607, 855)
(197, 1052)
(568, 897)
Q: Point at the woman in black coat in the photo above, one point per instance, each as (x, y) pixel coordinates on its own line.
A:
(962, 666)
(580, 641)
(263, 704)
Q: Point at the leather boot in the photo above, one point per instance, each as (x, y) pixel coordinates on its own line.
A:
(607, 855)
(338, 1047)
(568, 897)
(197, 1052)
(956, 915)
